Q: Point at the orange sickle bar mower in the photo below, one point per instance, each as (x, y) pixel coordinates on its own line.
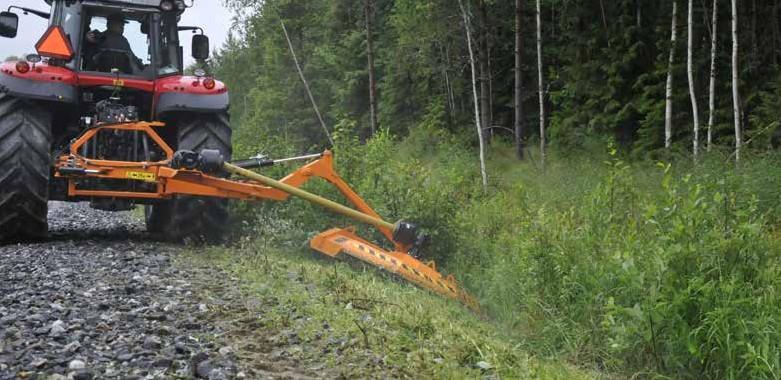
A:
(189, 173)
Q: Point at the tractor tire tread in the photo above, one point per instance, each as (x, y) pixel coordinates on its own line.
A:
(197, 219)
(25, 160)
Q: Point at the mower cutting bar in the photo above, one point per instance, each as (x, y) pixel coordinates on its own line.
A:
(338, 240)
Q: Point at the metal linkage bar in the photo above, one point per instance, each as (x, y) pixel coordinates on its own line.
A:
(260, 161)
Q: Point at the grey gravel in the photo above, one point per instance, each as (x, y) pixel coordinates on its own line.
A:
(100, 300)
(75, 365)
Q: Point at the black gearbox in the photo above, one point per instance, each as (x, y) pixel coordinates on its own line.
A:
(110, 112)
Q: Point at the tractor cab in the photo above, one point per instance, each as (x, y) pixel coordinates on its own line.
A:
(93, 50)
(137, 38)
(101, 62)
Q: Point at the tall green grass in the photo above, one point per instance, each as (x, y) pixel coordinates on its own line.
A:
(645, 268)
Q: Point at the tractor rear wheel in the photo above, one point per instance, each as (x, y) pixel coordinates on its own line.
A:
(25, 167)
(197, 219)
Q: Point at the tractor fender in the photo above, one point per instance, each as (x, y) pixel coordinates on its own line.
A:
(178, 102)
(55, 91)
(188, 94)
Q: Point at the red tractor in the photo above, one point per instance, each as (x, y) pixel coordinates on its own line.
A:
(104, 60)
(103, 113)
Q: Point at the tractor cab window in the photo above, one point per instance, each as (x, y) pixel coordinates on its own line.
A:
(170, 60)
(116, 41)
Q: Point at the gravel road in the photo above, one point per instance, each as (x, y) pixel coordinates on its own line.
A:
(99, 300)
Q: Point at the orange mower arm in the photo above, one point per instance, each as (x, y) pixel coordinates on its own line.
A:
(187, 173)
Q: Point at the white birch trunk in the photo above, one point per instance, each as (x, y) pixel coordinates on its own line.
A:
(690, 74)
(712, 86)
(474, 93)
(735, 84)
(541, 85)
(668, 95)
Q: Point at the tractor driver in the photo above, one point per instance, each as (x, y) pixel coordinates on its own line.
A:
(111, 41)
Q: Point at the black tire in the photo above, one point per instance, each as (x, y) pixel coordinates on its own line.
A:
(25, 168)
(187, 218)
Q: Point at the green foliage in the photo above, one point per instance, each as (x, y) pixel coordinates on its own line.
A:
(610, 262)
(606, 76)
(674, 274)
(669, 269)
(767, 116)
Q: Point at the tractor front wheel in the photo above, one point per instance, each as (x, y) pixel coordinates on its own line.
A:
(198, 219)
(25, 167)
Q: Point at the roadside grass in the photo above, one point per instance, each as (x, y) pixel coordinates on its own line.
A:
(632, 268)
(363, 323)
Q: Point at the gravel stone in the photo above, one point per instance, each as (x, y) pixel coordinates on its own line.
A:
(72, 347)
(101, 292)
(76, 365)
(57, 329)
(152, 343)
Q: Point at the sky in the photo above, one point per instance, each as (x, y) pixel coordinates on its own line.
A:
(211, 15)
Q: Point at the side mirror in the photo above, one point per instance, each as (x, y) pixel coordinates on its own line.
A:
(200, 47)
(9, 23)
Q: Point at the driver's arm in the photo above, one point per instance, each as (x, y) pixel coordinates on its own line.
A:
(92, 40)
(95, 37)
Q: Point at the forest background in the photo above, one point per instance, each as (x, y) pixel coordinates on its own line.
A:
(627, 216)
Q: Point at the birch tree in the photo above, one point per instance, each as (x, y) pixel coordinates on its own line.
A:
(540, 84)
(668, 94)
(735, 89)
(369, 12)
(712, 86)
(518, 81)
(480, 139)
(690, 74)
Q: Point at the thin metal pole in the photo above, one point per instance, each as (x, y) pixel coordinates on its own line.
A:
(298, 158)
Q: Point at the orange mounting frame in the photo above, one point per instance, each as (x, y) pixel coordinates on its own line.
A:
(190, 182)
(170, 182)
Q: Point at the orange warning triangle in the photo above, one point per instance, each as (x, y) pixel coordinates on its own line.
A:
(54, 44)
